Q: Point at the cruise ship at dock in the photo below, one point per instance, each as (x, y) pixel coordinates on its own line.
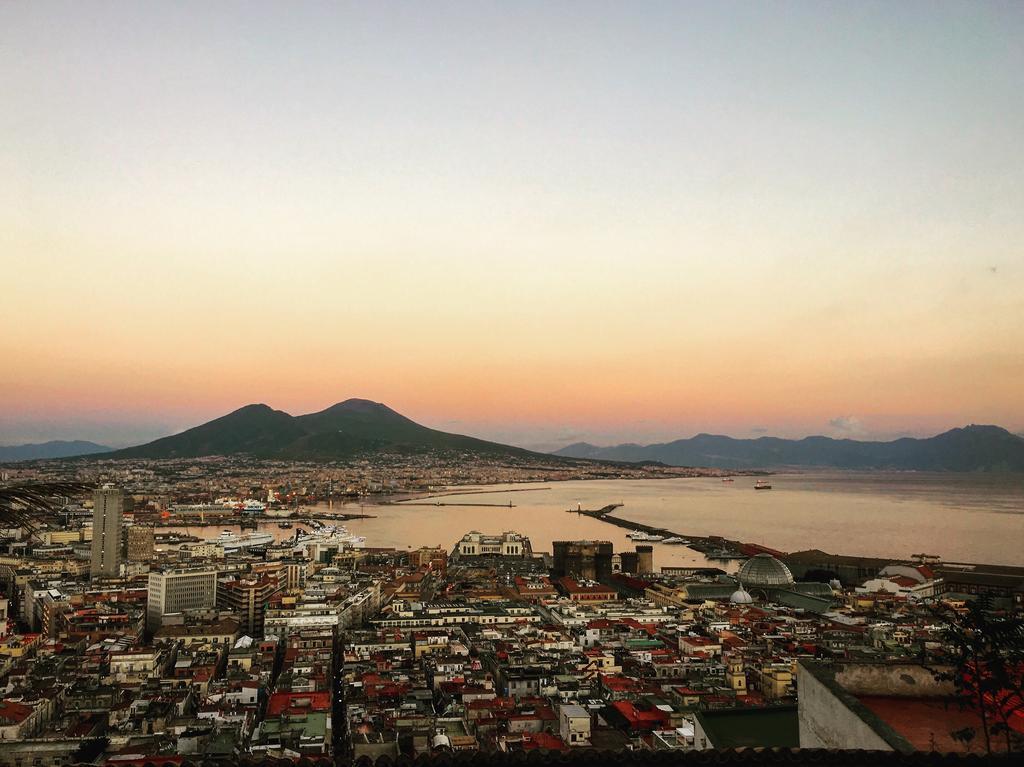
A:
(234, 542)
(328, 535)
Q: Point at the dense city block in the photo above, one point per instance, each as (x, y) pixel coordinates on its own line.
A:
(125, 638)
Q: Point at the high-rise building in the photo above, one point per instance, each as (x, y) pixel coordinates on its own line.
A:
(582, 559)
(141, 543)
(247, 597)
(179, 590)
(107, 513)
(295, 571)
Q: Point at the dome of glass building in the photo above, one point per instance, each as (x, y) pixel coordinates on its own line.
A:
(764, 571)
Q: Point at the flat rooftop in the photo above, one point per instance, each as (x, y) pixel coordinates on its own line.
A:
(927, 723)
(775, 727)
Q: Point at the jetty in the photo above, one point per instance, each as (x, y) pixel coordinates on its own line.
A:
(442, 494)
(335, 516)
(508, 505)
(596, 513)
(711, 546)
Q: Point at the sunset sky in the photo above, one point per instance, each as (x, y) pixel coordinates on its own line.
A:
(533, 222)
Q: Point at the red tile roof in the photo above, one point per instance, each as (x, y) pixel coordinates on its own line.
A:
(542, 740)
(13, 713)
(298, 702)
(648, 718)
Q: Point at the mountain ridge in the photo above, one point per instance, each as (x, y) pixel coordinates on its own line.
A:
(54, 448)
(348, 429)
(969, 448)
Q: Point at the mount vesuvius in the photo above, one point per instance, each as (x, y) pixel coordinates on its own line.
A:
(350, 429)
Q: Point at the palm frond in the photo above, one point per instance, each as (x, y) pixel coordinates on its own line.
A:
(29, 504)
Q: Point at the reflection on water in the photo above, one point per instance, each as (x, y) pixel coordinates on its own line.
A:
(959, 517)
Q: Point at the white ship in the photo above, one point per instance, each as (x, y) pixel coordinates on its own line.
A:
(640, 535)
(250, 505)
(676, 540)
(328, 534)
(199, 508)
(233, 542)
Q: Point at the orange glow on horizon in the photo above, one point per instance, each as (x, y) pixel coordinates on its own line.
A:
(629, 224)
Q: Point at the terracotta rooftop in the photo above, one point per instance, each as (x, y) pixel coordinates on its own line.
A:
(927, 723)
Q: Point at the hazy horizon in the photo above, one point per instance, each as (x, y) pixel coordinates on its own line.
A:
(538, 223)
(544, 438)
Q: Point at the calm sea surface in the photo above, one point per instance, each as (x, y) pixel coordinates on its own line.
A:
(974, 518)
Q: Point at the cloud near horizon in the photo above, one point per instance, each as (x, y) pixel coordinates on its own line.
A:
(848, 425)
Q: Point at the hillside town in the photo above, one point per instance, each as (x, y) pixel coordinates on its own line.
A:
(121, 644)
(297, 483)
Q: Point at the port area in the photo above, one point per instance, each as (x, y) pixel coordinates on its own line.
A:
(258, 521)
(333, 516)
(711, 546)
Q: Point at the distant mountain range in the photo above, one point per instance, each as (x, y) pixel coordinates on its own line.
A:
(972, 448)
(53, 449)
(359, 427)
(350, 429)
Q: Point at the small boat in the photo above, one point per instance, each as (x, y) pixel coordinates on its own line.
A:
(284, 525)
(727, 479)
(675, 540)
(762, 484)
